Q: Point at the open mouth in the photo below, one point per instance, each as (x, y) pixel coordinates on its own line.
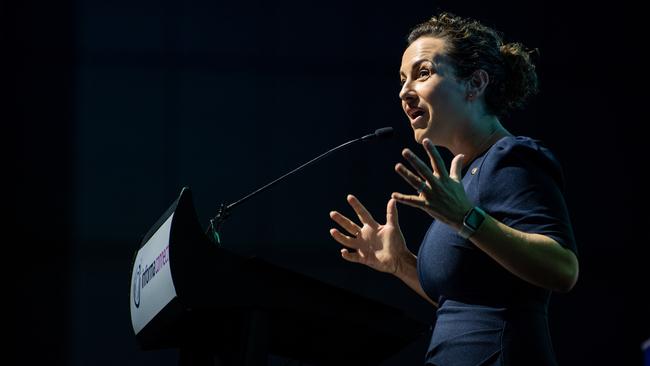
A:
(416, 115)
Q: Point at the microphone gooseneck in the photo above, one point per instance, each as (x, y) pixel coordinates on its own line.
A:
(224, 209)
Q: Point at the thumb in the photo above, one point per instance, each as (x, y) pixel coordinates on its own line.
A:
(457, 167)
(391, 213)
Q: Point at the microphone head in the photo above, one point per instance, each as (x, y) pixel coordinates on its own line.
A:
(385, 132)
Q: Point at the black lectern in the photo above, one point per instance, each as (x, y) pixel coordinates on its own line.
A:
(222, 308)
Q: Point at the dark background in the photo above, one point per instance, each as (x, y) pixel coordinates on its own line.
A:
(110, 107)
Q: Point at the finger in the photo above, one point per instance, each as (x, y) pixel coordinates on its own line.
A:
(413, 201)
(361, 211)
(343, 239)
(457, 167)
(346, 223)
(412, 179)
(419, 166)
(391, 213)
(351, 257)
(436, 160)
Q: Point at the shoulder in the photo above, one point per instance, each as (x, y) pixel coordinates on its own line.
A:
(522, 154)
(521, 147)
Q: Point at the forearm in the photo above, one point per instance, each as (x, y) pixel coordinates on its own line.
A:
(408, 273)
(534, 258)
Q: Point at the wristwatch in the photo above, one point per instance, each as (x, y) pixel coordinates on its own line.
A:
(471, 222)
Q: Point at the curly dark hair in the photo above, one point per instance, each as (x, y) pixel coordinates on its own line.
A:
(472, 46)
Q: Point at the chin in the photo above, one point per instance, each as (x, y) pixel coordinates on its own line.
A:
(419, 134)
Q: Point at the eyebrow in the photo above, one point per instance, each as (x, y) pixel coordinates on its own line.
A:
(415, 65)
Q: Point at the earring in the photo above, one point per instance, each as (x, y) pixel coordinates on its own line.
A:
(470, 96)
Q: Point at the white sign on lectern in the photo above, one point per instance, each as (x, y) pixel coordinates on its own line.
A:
(152, 287)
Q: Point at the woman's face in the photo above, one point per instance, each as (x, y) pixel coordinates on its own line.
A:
(432, 98)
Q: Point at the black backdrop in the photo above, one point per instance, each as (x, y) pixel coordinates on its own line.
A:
(111, 107)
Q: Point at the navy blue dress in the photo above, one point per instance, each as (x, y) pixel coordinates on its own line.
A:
(486, 315)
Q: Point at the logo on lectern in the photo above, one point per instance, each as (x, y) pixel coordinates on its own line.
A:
(136, 286)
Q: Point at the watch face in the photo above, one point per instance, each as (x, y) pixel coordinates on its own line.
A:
(474, 219)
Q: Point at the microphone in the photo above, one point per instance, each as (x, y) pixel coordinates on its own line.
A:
(225, 209)
(385, 132)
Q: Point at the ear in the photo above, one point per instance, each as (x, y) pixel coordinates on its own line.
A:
(476, 84)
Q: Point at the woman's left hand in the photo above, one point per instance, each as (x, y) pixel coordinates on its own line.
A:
(440, 194)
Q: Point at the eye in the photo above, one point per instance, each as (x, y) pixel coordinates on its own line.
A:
(401, 82)
(424, 73)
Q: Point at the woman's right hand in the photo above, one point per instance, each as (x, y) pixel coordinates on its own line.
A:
(381, 247)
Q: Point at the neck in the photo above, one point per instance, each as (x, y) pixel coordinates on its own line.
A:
(477, 138)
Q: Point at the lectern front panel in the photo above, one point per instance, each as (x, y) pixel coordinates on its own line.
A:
(152, 287)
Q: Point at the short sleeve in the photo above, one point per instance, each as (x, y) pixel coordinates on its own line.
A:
(522, 185)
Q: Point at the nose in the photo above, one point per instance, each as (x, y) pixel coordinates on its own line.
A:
(407, 93)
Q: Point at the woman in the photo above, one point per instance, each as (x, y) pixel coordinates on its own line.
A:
(501, 239)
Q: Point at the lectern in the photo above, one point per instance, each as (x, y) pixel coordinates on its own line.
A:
(221, 308)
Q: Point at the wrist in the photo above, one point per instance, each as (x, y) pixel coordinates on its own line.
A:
(459, 216)
(472, 221)
(404, 261)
